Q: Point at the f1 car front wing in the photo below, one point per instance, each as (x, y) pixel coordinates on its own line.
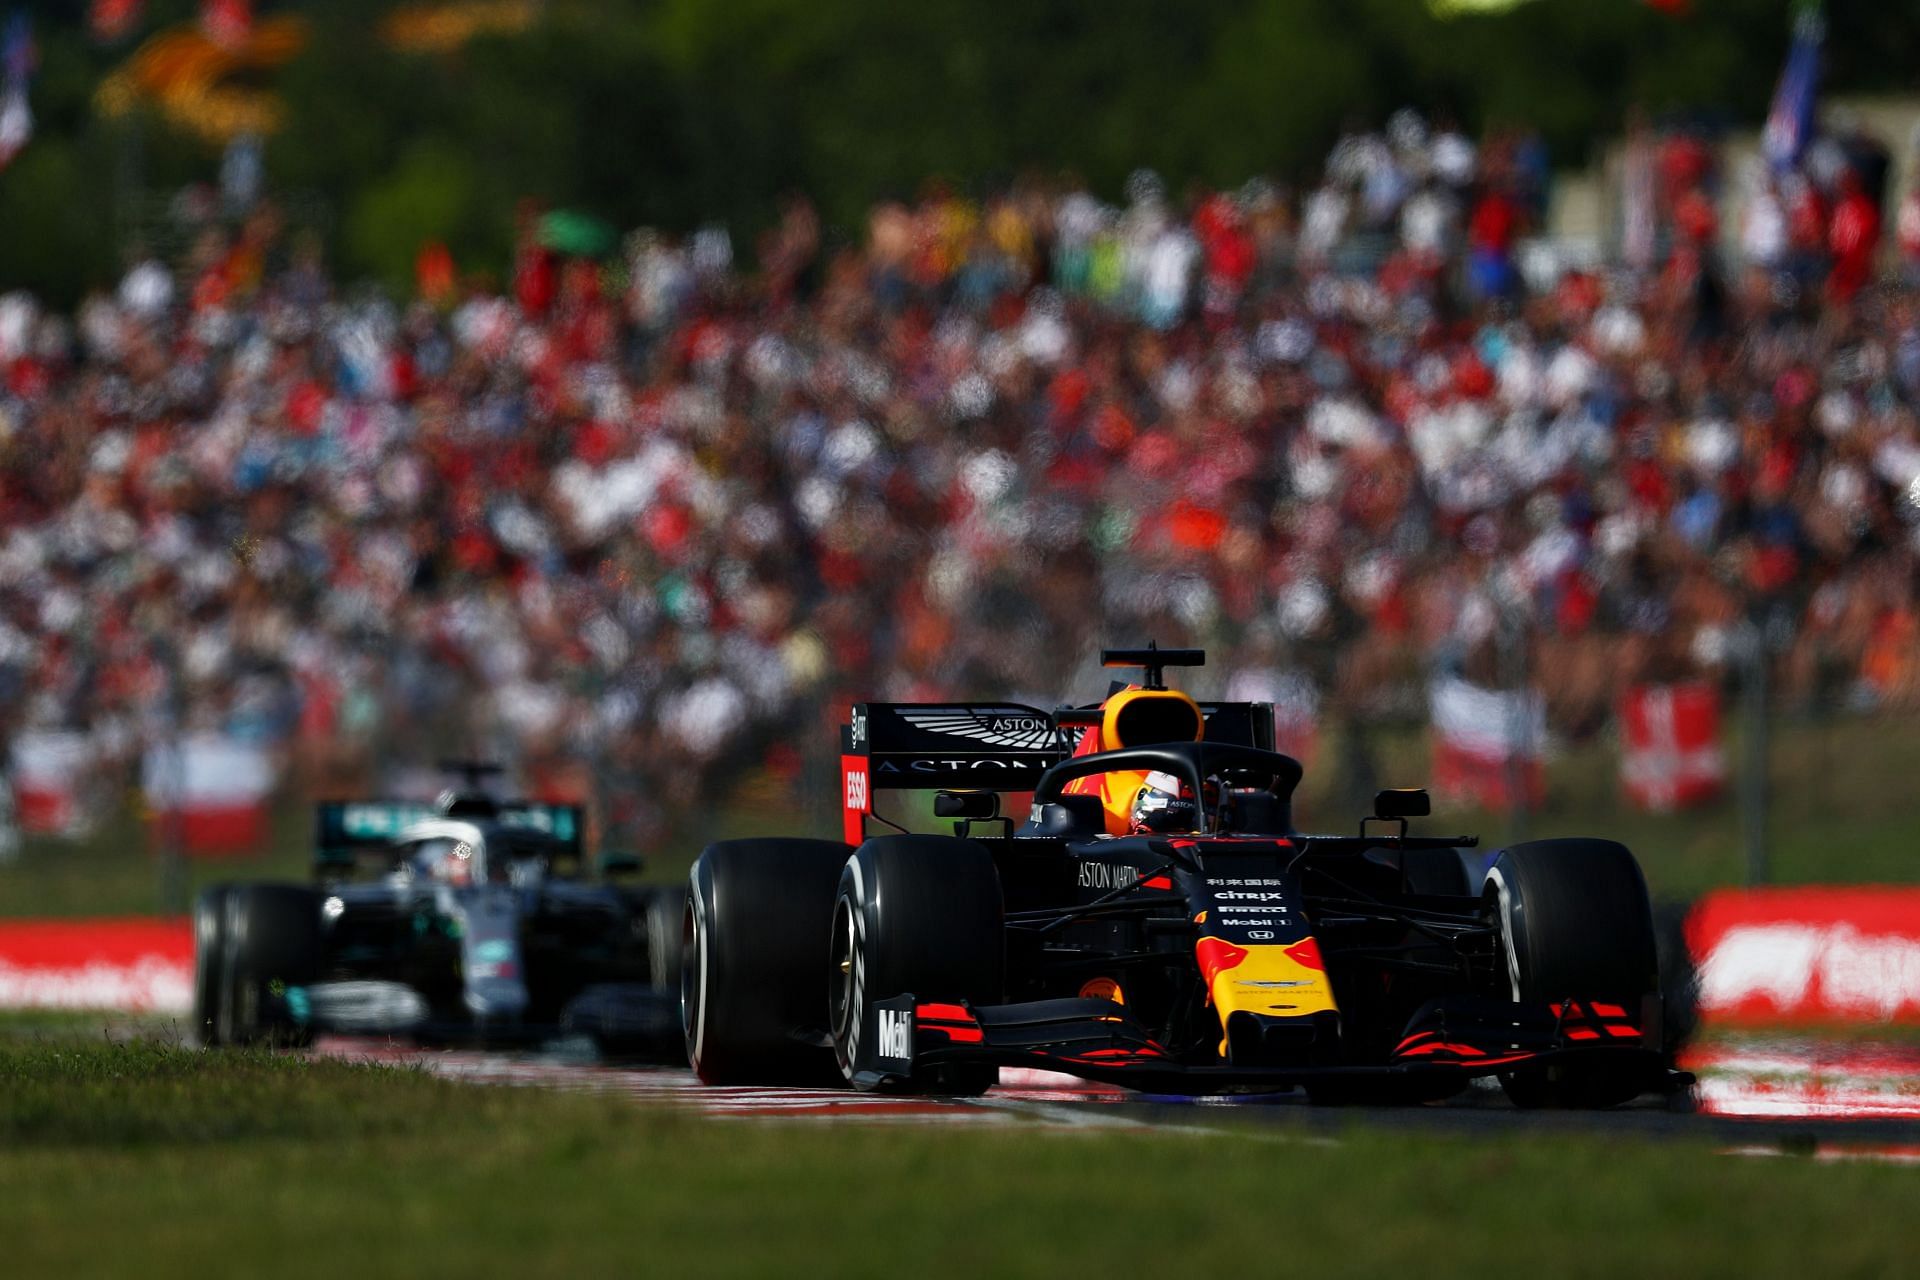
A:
(1458, 1036)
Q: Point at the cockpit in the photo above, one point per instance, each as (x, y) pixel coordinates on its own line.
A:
(506, 857)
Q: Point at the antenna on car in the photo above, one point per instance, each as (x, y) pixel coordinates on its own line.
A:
(470, 799)
(473, 773)
(1153, 660)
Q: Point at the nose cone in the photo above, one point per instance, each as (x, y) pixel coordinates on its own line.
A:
(496, 987)
(1276, 983)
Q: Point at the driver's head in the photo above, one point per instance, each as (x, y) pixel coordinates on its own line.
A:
(455, 864)
(1164, 806)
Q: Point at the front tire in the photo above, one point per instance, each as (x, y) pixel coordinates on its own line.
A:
(919, 915)
(754, 929)
(269, 947)
(1575, 924)
(209, 963)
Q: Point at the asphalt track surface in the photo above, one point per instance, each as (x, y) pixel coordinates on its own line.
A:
(1765, 1096)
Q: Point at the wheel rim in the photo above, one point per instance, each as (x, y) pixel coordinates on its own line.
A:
(842, 972)
(1503, 907)
(690, 979)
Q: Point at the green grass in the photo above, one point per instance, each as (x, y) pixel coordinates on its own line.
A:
(115, 871)
(1843, 811)
(116, 1158)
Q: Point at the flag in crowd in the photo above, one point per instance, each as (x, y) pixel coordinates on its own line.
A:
(1670, 755)
(16, 123)
(227, 22)
(1791, 118)
(1488, 744)
(17, 57)
(112, 19)
(50, 769)
(209, 792)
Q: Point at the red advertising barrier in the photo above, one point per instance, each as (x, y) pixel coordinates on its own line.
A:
(1811, 954)
(139, 965)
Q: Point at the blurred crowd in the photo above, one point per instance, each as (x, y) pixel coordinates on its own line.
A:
(661, 516)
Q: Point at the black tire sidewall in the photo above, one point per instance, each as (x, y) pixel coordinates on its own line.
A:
(755, 936)
(927, 919)
(1439, 872)
(270, 936)
(1575, 923)
(210, 963)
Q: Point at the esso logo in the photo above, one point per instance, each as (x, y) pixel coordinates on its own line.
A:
(857, 790)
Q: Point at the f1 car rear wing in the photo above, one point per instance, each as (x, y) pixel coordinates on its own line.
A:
(347, 830)
(1001, 746)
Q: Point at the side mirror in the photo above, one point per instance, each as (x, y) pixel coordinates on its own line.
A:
(1401, 803)
(974, 805)
(618, 862)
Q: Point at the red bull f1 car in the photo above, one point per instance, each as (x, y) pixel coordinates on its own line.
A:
(1157, 921)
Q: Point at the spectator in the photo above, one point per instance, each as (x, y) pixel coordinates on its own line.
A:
(660, 529)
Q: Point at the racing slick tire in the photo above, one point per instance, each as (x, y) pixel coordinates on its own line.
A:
(209, 934)
(269, 946)
(664, 912)
(1575, 922)
(752, 934)
(919, 915)
(1455, 873)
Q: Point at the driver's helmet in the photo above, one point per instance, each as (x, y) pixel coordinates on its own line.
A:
(1164, 805)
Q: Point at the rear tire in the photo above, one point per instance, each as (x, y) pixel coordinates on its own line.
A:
(269, 944)
(752, 936)
(919, 915)
(1442, 872)
(1575, 923)
(665, 912)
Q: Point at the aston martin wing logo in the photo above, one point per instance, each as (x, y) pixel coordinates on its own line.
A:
(1015, 727)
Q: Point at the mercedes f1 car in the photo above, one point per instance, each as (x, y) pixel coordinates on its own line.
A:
(1158, 922)
(466, 919)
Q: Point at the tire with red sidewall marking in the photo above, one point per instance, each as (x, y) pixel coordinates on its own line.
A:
(919, 915)
(753, 937)
(1575, 923)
